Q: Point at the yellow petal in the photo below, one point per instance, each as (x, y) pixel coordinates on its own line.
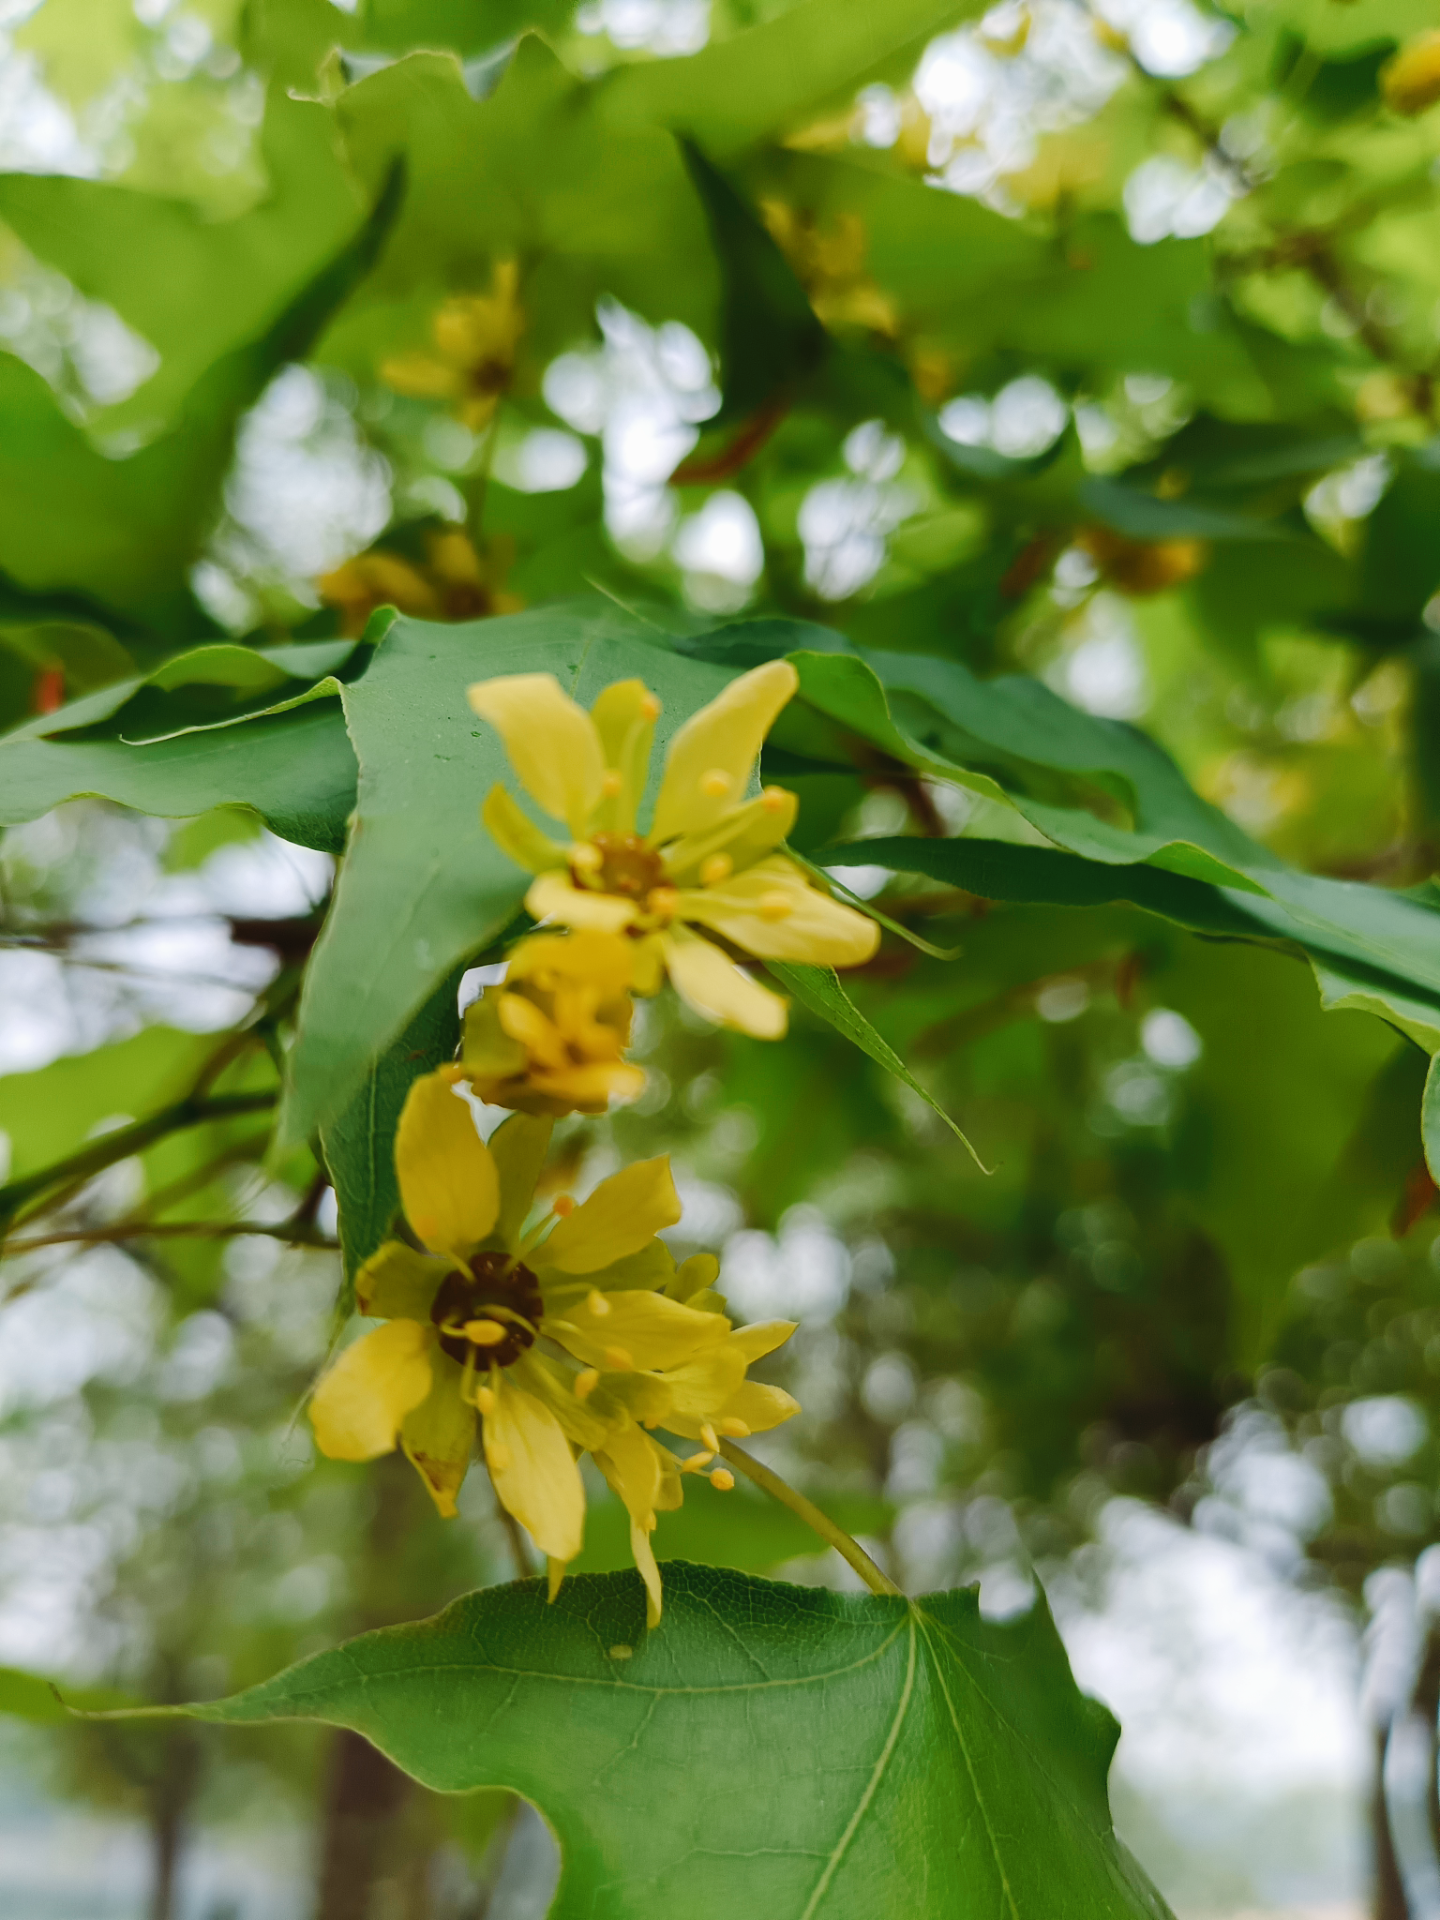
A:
(554, 1386)
(552, 743)
(420, 376)
(625, 715)
(518, 1148)
(634, 1467)
(523, 1021)
(533, 1469)
(703, 1387)
(552, 897)
(604, 961)
(758, 1406)
(448, 1184)
(761, 1337)
(693, 1276)
(709, 981)
(358, 1406)
(554, 1577)
(439, 1435)
(652, 1266)
(772, 910)
(623, 1212)
(644, 1556)
(640, 1330)
(513, 831)
(590, 1089)
(744, 836)
(723, 738)
(399, 1284)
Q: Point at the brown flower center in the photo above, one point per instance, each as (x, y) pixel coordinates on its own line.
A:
(627, 866)
(495, 1291)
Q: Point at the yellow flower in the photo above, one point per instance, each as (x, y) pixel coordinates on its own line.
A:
(551, 1036)
(475, 336)
(710, 859)
(1411, 81)
(453, 584)
(566, 1338)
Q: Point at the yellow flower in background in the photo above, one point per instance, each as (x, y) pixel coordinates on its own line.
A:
(452, 583)
(475, 337)
(574, 1334)
(1411, 81)
(550, 1038)
(706, 878)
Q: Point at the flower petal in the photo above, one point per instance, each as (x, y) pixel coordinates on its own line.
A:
(762, 1337)
(518, 1147)
(554, 1386)
(533, 1469)
(421, 376)
(399, 1284)
(703, 1388)
(773, 911)
(552, 743)
(359, 1404)
(758, 1406)
(640, 1330)
(448, 1184)
(439, 1435)
(552, 897)
(624, 717)
(709, 981)
(623, 1212)
(722, 739)
(634, 1467)
(515, 833)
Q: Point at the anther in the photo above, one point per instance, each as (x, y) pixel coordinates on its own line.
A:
(484, 1333)
(662, 900)
(717, 868)
(775, 905)
(734, 1429)
(649, 707)
(613, 785)
(499, 1456)
(708, 1435)
(722, 1479)
(773, 799)
(597, 1303)
(696, 1463)
(619, 1359)
(452, 1073)
(582, 854)
(715, 783)
(485, 1399)
(563, 1205)
(586, 1383)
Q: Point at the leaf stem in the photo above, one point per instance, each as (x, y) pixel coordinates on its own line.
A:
(818, 1522)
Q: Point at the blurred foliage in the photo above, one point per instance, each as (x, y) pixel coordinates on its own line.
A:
(1060, 396)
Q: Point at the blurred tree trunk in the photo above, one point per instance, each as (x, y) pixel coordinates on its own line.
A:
(364, 1804)
(1389, 1888)
(169, 1792)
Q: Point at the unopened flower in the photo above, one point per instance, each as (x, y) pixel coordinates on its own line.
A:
(551, 1339)
(707, 878)
(475, 337)
(551, 1037)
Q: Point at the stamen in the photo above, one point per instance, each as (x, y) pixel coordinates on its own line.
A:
(774, 799)
(586, 1383)
(454, 1074)
(597, 1303)
(696, 1463)
(734, 1429)
(613, 785)
(583, 855)
(485, 1399)
(775, 905)
(662, 900)
(650, 706)
(722, 1479)
(619, 1360)
(715, 783)
(499, 1456)
(484, 1333)
(563, 1205)
(717, 868)
(708, 1435)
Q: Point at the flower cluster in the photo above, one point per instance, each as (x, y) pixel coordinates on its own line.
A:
(706, 883)
(552, 1332)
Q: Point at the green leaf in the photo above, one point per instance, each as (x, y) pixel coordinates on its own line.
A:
(1430, 1120)
(54, 1110)
(423, 887)
(359, 1146)
(861, 1756)
(29, 1696)
(820, 990)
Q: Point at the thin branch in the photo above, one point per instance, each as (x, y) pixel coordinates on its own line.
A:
(292, 1230)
